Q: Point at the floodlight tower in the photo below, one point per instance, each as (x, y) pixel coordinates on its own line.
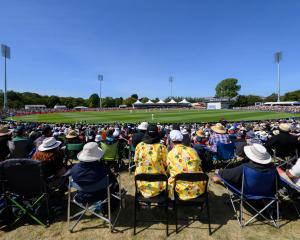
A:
(5, 50)
(171, 80)
(100, 79)
(278, 58)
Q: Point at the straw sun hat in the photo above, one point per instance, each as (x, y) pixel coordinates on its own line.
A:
(218, 128)
(4, 131)
(284, 127)
(90, 153)
(257, 153)
(72, 134)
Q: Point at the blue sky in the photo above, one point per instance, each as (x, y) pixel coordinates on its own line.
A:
(59, 47)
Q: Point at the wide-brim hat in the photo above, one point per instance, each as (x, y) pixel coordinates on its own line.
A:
(48, 144)
(218, 128)
(200, 133)
(72, 134)
(258, 153)
(4, 131)
(285, 127)
(90, 153)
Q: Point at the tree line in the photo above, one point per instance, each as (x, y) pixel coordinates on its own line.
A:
(18, 100)
(228, 88)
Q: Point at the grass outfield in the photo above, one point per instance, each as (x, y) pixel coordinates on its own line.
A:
(163, 116)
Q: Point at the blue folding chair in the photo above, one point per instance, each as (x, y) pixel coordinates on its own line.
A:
(225, 154)
(256, 186)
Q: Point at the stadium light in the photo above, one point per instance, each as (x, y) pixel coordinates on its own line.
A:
(100, 79)
(278, 58)
(171, 80)
(5, 50)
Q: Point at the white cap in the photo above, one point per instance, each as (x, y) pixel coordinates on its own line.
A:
(143, 126)
(176, 136)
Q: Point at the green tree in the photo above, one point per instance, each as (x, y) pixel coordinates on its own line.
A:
(93, 101)
(118, 101)
(135, 96)
(108, 102)
(292, 96)
(129, 101)
(52, 101)
(247, 100)
(144, 99)
(228, 88)
(271, 98)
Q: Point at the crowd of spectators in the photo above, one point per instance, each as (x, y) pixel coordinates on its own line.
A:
(167, 149)
(289, 109)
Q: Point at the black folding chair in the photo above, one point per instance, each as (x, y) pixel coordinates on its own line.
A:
(158, 201)
(199, 201)
(24, 188)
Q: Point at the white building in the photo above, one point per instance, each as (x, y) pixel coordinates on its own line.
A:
(32, 107)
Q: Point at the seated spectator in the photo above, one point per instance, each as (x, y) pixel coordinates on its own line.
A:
(251, 138)
(46, 133)
(150, 157)
(284, 143)
(219, 136)
(260, 160)
(91, 170)
(186, 141)
(72, 137)
(5, 142)
(240, 143)
(52, 159)
(22, 146)
(183, 159)
(139, 135)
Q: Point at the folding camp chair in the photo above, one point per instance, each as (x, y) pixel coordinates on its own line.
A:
(158, 201)
(24, 188)
(199, 201)
(287, 161)
(94, 208)
(131, 163)
(71, 151)
(111, 154)
(225, 154)
(293, 190)
(256, 186)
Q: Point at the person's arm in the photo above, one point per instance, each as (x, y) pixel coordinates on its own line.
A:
(232, 175)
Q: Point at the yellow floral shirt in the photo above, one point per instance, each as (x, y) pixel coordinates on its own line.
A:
(182, 159)
(150, 158)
